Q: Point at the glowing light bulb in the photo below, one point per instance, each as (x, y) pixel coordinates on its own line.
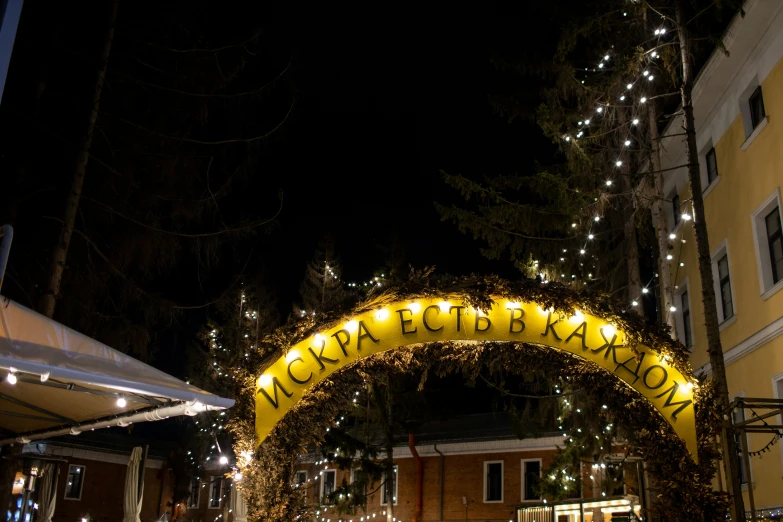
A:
(292, 355)
(608, 184)
(629, 86)
(568, 138)
(590, 236)
(582, 251)
(650, 78)
(627, 143)
(11, 378)
(609, 330)
(645, 73)
(618, 163)
(635, 121)
(597, 218)
(672, 236)
(352, 326)
(265, 380)
(606, 57)
(382, 314)
(415, 307)
(686, 217)
(673, 309)
(238, 475)
(645, 290)
(223, 460)
(622, 97)
(669, 257)
(319, 339)
(689, 385)
(587, 122)
(599, 110)
(578, 317)
(121, 402)
(444, 306)
(512, 305)
(573, 225)
(643, 100)
(634, 303)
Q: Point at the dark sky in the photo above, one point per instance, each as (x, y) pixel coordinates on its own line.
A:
(384, 106)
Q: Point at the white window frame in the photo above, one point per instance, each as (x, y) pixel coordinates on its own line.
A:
(502, 481)
(396, 487)
(296, 475)
(323, 484)
(717, 254)
(775, 393)
(220, 494)
(198, 494)
(81, 487)
(679, 321)
(706, 186)
(763, 261)
(750, 482)
(669, 206)
(522, 472)
(747, 121)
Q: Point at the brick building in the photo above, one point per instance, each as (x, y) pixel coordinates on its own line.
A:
(490, 480)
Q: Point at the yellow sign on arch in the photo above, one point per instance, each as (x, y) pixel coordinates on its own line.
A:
(429, 320)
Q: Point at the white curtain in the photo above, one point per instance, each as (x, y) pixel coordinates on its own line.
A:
(47, 498)
(133, 497)
(238, 505)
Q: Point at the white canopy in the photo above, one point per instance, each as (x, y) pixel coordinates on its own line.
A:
(67, 382)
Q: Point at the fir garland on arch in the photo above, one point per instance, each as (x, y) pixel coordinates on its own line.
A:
(686, 491)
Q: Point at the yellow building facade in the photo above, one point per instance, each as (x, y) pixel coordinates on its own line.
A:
(738, 104)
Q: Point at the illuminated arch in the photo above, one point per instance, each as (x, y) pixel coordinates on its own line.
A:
(403, 322)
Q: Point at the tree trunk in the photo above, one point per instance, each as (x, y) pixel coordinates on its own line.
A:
(659, 222)
(714, 347)
(57, 266)
(629, 229)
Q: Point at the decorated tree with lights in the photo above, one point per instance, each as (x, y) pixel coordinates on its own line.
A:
(618, 74)
(322, 287)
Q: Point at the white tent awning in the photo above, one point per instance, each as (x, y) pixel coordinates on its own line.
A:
(65, 378)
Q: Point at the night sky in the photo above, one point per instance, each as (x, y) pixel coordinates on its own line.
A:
(384, 107)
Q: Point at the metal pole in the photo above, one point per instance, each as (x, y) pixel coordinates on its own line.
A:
(7, 233)
(746, 461)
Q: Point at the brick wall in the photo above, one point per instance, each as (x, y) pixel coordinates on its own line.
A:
(102, 493)
(463, 476)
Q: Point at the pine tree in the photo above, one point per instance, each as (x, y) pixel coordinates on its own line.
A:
(322, 288)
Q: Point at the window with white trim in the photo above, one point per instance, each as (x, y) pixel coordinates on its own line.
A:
(752, 108)
(682, 315)
(768, 237)
(73, 488)
(531, 477)
(675, 210)
(737, 416)
(193, 494)
(493, 481)
(301, 477)
(721, 273)
(215, 492)
(394, 480)
(328, 484)
(712, 166)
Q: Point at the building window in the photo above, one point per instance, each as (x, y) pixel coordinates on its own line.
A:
(493, 481)
(531, 476)
(676, 209)
(775, 243)
(738, 415)
(301, 477)
(73, 488)
(724, 283)
(712, 166)
(193, 494)
(769, 244)
(215, 492)
(384, 500)
(328, 485)
(757, 112)
(687, 332)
